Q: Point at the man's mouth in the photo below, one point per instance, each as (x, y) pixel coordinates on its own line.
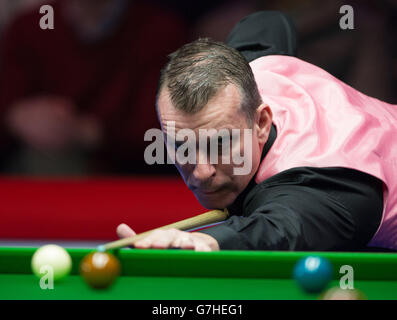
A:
(205, 191)
(208, 192)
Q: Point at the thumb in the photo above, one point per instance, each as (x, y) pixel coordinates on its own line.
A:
(124, 231)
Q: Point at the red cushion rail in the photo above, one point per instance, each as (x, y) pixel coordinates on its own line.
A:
(90, 209)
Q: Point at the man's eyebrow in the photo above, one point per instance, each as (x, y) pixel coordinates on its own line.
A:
(228, 128)
(179, 143)
(218, 135)
(221, 133)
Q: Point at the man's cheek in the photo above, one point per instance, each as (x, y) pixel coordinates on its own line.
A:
(242, 158)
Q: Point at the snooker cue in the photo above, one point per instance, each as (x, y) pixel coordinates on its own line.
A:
(196, 221)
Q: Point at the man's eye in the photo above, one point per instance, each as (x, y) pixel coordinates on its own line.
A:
(220, 141)
(177, 144)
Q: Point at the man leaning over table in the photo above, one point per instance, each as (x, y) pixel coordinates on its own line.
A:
(323, 162)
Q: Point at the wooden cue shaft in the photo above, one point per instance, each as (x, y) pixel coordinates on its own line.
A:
(202, 219)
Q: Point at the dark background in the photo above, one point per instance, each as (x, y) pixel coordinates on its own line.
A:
(105, 77)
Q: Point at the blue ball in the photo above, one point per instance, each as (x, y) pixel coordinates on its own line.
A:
(313, 273)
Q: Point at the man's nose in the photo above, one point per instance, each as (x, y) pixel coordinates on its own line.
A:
(203, 171)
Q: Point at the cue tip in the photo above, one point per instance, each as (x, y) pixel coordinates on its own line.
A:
(101, 248)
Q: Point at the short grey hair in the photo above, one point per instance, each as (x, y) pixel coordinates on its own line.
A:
(196, 71)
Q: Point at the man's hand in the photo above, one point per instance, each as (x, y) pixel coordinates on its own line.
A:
(50, 123)
(42, 122)
(171, 238)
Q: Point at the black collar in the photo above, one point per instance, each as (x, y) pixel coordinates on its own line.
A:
(270, 141)
(237, 206)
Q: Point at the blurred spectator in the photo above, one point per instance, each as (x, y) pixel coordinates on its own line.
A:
(364, 57)
(79, 98)
(9, 8)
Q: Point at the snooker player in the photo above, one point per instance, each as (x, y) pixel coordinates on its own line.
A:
(323, 158)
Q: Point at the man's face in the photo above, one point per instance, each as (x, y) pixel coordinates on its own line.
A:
(215, 185)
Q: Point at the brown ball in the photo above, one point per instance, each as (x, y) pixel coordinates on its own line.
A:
(100, 269)
(342, 294)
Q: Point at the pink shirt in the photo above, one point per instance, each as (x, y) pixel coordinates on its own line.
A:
(323, 122)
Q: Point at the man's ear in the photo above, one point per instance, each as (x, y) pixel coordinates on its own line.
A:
(263, 122)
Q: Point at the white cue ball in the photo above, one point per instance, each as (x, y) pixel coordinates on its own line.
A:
(54, 256)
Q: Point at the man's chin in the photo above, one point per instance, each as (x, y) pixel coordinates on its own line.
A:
(215, 202)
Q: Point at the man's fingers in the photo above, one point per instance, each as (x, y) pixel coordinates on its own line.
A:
(160, 239)
(200, 245)
(156, 239)
(173, 238)
(124, 231)
(183, 241)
